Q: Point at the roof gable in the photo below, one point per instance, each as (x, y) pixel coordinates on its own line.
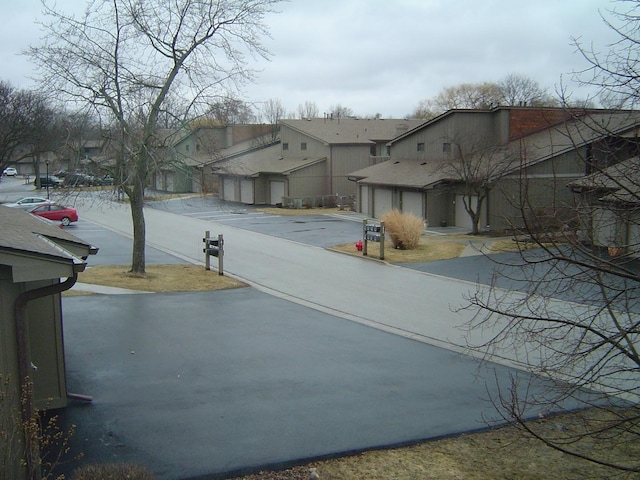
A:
(351, 130)
(38, 250)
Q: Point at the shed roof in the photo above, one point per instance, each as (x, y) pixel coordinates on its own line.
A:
(619, 183)
(265, 160)
(401, 173)
(37, 249)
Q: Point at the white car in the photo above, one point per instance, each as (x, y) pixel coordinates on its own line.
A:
(27, 203)
(10, 172)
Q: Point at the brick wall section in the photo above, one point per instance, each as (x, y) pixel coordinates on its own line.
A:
(525, 121)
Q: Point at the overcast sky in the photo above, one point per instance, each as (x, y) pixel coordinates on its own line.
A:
(384, 56)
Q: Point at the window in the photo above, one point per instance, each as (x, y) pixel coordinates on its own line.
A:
(285, 146)
(303, 146)
(446, 147)
(421, 146)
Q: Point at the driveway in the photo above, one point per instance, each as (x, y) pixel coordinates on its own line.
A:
(227, 382)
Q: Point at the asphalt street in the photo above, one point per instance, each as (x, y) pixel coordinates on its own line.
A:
(325, 354)
(317, 230)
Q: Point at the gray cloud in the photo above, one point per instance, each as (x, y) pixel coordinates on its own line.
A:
(382, 56)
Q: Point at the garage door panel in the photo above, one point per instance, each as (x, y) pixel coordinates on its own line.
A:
(246, 192)
(364, 200)
(412, 202)
(277, 192)
(382, 201)
(229, 189)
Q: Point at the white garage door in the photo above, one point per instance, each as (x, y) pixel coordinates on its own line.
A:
(604, 227)
(229, 190)
(364, 200)
(277, 192)
(168, 181)
(246, 191)
(463, 219)
(412, 203)
(382, 201)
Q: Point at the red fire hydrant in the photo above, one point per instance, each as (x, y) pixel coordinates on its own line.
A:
(359, 245)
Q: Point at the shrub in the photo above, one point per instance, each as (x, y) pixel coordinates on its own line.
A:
(113, 471)
(404, 229)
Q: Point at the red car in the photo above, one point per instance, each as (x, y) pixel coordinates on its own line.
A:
(55, 211)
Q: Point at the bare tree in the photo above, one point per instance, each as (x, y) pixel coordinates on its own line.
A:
(467, 95)
(476, 167)
(22, 116)
(520, 90)
(613, 70)
(272, 112)
(231, 111)
(126, 57)
(513, 90)
(308, 110)
(566, 306)
(338, 111)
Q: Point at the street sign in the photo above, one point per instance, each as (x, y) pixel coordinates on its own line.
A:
(373, 232)
(213, 247)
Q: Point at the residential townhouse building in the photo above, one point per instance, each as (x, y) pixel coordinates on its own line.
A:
(310, 165)
(528, 154)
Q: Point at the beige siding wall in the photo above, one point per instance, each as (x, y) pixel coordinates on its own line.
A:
(346, 159)
(570, 164)
(341, 160)
(295, 141)
(10, 411)
(309, 182)
(463, 128)
(514, 199)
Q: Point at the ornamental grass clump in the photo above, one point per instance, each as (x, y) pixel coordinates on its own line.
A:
(404, 229)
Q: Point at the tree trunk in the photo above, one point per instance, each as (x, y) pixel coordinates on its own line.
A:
(138, 260)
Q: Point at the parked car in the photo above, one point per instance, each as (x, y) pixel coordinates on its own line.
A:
(27, 203)
(51, 181)
(56, 212)
(104, 180)
(10, 172)
(78, 180)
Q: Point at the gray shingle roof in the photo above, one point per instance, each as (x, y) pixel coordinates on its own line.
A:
(402, 173)
(352, 130)
(618, 183)
(25, 233)
(266, 160)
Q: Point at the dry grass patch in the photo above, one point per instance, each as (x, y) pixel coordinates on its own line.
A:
(504, 453)
(159, 278)
(510, 245)
(427, 251)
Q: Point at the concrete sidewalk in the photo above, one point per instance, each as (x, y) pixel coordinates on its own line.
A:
(350, 287)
